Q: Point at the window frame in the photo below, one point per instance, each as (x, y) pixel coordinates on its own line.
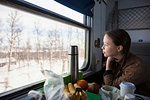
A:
(31, 8)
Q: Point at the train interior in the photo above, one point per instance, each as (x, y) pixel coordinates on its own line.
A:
(101, 15)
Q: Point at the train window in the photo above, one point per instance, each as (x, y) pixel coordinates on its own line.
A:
(58, 8)
(30, 43)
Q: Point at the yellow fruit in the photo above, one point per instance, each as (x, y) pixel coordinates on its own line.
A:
(76, 86)
(76, 96)
(71, 88)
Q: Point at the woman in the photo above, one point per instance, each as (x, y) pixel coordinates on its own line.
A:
(121, 65)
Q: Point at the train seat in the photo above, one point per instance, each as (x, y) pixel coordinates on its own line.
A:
(142, 50)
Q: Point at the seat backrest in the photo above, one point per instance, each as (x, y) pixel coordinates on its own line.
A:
(142, 50)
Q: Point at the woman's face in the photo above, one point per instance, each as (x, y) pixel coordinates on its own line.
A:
(109, 48)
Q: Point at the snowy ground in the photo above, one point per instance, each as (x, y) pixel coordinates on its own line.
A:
(25, 74)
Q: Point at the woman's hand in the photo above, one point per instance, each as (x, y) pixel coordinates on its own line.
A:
(108, 62)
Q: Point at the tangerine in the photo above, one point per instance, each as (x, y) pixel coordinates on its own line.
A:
(83, 84)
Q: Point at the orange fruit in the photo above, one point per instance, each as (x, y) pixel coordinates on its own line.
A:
(83, 84)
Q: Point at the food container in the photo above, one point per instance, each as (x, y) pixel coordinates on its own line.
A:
(127, 88)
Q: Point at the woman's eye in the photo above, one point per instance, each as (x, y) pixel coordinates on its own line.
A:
(105, 44)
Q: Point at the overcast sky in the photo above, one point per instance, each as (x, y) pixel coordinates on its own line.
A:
(27, 20)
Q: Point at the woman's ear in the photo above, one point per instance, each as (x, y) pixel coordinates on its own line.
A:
(120, 48)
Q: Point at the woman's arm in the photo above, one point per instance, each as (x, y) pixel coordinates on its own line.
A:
(133, 73)
(108, 63)
(108, 71)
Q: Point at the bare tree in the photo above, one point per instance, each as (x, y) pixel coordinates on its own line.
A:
(63, 55)
(43, 55)
(51, 43)
(1, 38)
(28, 48)
(17, 47)
(68, 46)
(38, 45)
(69, 35)
(15, 30)
(56, 35)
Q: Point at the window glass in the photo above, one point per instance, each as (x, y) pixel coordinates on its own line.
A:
(58, 8)
(31, 43)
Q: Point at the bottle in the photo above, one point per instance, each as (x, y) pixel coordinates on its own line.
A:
(129, 97)
(74, 63)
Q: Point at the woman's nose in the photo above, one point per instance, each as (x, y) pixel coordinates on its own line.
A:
(102, 47)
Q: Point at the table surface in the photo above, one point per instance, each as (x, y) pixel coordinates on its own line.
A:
(91, 96)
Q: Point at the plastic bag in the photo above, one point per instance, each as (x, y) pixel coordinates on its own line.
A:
(54, 86)
(35, 95)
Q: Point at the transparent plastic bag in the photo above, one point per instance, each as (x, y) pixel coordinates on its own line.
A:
(54, 86)
(35, 95)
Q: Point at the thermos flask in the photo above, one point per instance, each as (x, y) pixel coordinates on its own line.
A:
(74, 63)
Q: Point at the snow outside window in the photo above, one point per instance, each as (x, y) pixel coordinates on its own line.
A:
(31, 43)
